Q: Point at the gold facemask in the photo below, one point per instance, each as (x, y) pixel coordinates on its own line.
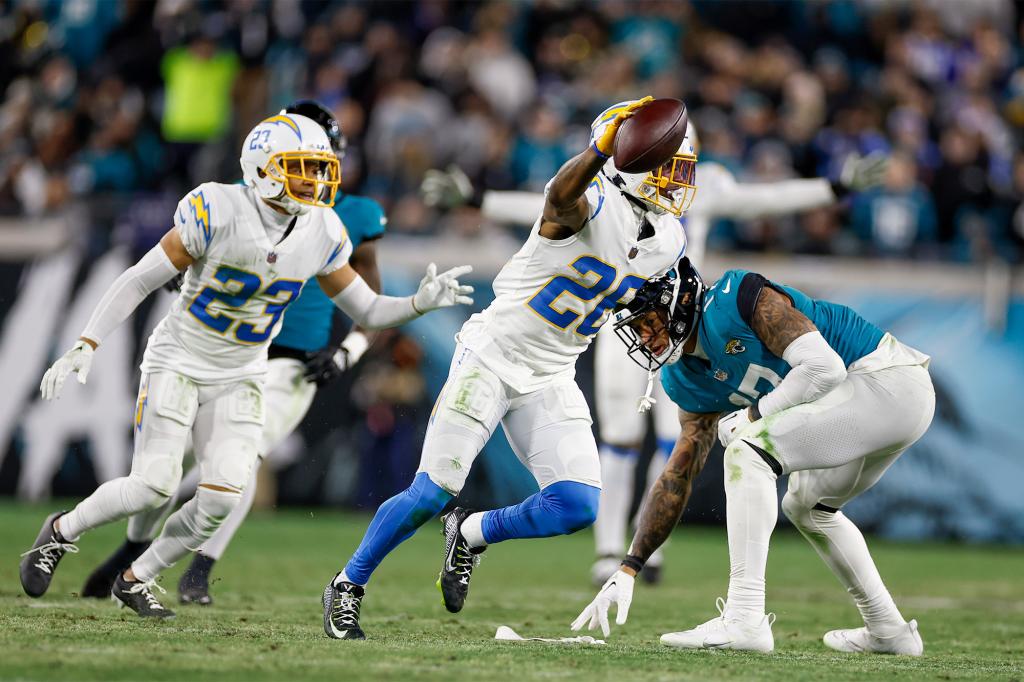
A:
(679, 174)
(320, 168)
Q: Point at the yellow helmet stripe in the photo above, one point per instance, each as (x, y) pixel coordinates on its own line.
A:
(282, 118)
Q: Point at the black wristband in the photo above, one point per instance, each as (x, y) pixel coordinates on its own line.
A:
(634, 562)
(840, 190)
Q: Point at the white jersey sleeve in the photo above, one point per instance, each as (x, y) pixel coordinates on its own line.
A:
(342, 251)
(194, 218)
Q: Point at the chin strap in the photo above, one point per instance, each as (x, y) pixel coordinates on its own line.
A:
(647, 401)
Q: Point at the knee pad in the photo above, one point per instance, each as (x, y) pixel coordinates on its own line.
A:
(212, 507)
(140, 494)
(158, 466)
(573, 506)
(748, 457)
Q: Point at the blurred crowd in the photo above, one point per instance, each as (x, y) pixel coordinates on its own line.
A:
(136, 99)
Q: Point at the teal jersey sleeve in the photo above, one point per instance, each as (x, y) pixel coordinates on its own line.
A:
(307, 324)
(362, 216)
(739, 369)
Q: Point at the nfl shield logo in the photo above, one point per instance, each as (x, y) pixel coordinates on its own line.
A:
(271, 257)
(721, 375)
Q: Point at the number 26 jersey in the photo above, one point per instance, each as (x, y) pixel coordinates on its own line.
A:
(236, 291)
(553, 296)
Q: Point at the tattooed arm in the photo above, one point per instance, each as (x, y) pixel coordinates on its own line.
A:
(789, 334)
(667, 499)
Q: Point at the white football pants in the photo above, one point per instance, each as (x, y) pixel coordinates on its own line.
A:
(288, 398)
(834, 449)
(225, 421)
(548, 429)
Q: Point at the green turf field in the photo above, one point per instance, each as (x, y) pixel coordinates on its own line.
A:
(266, 620)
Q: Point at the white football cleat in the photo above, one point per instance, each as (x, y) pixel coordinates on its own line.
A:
(907, 642)
(722, 633)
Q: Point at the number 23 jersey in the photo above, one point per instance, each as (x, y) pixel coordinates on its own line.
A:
(553, 296)
(241, 282)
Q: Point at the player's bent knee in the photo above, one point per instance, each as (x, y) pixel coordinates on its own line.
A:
(573, 505)
(796, 510)
(141, 495)
(749, 456)
(213, 506)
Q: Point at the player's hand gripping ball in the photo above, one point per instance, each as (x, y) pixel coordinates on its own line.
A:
(650, 136)
(604, 145)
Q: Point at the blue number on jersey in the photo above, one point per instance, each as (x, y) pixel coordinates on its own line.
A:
(220, 322)
(246, 332)
(544, 300)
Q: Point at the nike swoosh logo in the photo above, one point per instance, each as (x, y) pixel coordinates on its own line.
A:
(715, 644)
(448, 565)
(728, 285)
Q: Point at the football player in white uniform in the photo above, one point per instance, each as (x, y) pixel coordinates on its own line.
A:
(600, 235)
(249, 250)
(616, 383)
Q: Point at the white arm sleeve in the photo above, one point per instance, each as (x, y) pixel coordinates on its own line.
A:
(516, 208)
(128, 291)
(373, 311)
(817, 369)
(754, 200)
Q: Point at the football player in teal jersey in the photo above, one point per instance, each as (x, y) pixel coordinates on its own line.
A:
(790, 385)
(302, 358)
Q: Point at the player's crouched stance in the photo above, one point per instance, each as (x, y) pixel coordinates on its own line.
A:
(846, 400)
(248, 250)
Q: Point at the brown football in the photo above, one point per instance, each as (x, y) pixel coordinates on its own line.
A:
(651, 136)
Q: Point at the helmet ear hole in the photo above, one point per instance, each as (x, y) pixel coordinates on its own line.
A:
(261, 173)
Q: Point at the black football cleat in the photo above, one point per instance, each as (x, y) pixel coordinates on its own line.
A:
(341, 610)
(651, 575)
(194, 586)
(139, 597)
(459, 561)
(101, 581)
(39, 563)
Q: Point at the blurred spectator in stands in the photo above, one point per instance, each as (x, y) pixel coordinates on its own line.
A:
(199, 79)
(540, 150)
(896, 218)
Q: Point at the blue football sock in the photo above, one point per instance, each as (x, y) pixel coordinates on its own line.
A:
(395, 521)
(561, 508)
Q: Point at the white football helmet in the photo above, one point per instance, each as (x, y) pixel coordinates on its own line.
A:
(667, 189)
(287, 159)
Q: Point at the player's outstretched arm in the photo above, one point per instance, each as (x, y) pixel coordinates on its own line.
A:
(745, 201)
(565, 208)
(367, 309)
(661, 513)
(158, 266)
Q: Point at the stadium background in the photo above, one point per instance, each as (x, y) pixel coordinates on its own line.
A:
(110, 111)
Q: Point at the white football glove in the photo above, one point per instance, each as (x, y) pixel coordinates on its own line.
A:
(447, 188)
(442, 291)
(861, 173)
(77, 360)
(617, 590)
(731, 424)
